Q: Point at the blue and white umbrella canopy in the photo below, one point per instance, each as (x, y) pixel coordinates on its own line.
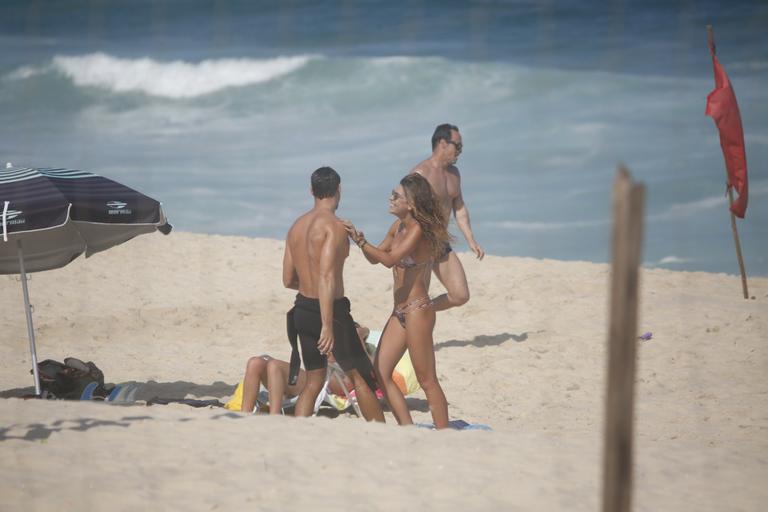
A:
(49, 217)
(59, 214)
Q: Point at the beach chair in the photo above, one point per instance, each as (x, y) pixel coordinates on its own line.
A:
(288, 402)
(334, 372)
(236, 400)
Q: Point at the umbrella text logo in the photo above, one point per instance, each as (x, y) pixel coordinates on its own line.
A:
(118, 208)
(11, 217)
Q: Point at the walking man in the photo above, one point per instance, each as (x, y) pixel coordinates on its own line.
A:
(443, 175)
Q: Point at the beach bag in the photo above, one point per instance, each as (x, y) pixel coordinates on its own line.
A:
(69, 379)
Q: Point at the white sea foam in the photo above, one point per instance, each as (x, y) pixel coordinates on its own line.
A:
(672, 259)
(680, 210)
(750, 65)
(758, 188)
(26, 72)
(175, 79)
(545, 226)
(398, 59)
(756, 138)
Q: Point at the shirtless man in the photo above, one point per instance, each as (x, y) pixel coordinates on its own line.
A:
(441, 172)
(315, 250)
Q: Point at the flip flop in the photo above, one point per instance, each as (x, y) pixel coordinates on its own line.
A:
(113, 394)
(87, 393)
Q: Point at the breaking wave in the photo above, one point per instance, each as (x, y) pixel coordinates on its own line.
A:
(174, 79)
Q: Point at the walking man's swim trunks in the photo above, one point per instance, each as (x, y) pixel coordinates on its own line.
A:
(305, 323)
(446, 251)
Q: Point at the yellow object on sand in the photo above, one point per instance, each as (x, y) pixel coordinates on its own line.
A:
(236, 402)
(404, 375)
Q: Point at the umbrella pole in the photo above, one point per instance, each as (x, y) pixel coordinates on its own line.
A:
(28, 309)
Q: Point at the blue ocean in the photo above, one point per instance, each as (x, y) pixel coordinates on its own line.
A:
(222, 109)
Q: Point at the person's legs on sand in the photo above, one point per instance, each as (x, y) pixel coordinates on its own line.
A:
(308, 325)
(305, 405)
(419, 326)
(349, 353)
(366, 398)
(391, 348)
(450, 273)
(277, 384)
(255, 374)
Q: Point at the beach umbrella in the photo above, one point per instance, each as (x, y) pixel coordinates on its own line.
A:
(52, 216)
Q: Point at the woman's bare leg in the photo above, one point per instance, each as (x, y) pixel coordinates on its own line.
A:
(277, 379)
(278, 387)
(255, 374)
(419, 325)
(391, 348)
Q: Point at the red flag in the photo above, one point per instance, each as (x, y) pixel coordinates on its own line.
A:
(723, 109)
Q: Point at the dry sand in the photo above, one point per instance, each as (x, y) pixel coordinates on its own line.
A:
(526, 356)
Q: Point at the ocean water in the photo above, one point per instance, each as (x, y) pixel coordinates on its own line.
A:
(221, 110)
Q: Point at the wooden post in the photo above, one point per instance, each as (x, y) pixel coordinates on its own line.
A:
(628, 210)
(739, 258)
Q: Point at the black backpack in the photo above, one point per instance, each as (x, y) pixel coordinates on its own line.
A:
(69, 379)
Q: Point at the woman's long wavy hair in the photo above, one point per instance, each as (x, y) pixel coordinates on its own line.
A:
(427, 212)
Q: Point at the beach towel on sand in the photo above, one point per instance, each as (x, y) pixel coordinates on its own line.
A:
(457, 425)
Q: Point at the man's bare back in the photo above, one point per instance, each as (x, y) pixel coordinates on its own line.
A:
(310, 235)
(316, 247)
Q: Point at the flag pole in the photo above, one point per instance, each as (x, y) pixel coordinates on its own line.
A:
(711, 42)
(738, 247)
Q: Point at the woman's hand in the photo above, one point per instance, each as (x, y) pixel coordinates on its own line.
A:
(354, 234)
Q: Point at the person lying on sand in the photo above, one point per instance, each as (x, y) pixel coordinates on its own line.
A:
(273, 374)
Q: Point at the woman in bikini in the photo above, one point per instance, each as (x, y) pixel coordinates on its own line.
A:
(417, 237)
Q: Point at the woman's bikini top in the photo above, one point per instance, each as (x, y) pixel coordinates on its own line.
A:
(409, 262)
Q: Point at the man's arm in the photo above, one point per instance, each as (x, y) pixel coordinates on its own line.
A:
(290, 276)
(462, 220)
(326, 286)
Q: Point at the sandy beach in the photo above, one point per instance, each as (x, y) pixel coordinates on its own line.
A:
(526, 356)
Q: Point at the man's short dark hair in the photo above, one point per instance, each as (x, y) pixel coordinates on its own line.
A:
(443, 132)
(325, 182)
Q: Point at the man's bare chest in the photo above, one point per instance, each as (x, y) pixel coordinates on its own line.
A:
(446, 188)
